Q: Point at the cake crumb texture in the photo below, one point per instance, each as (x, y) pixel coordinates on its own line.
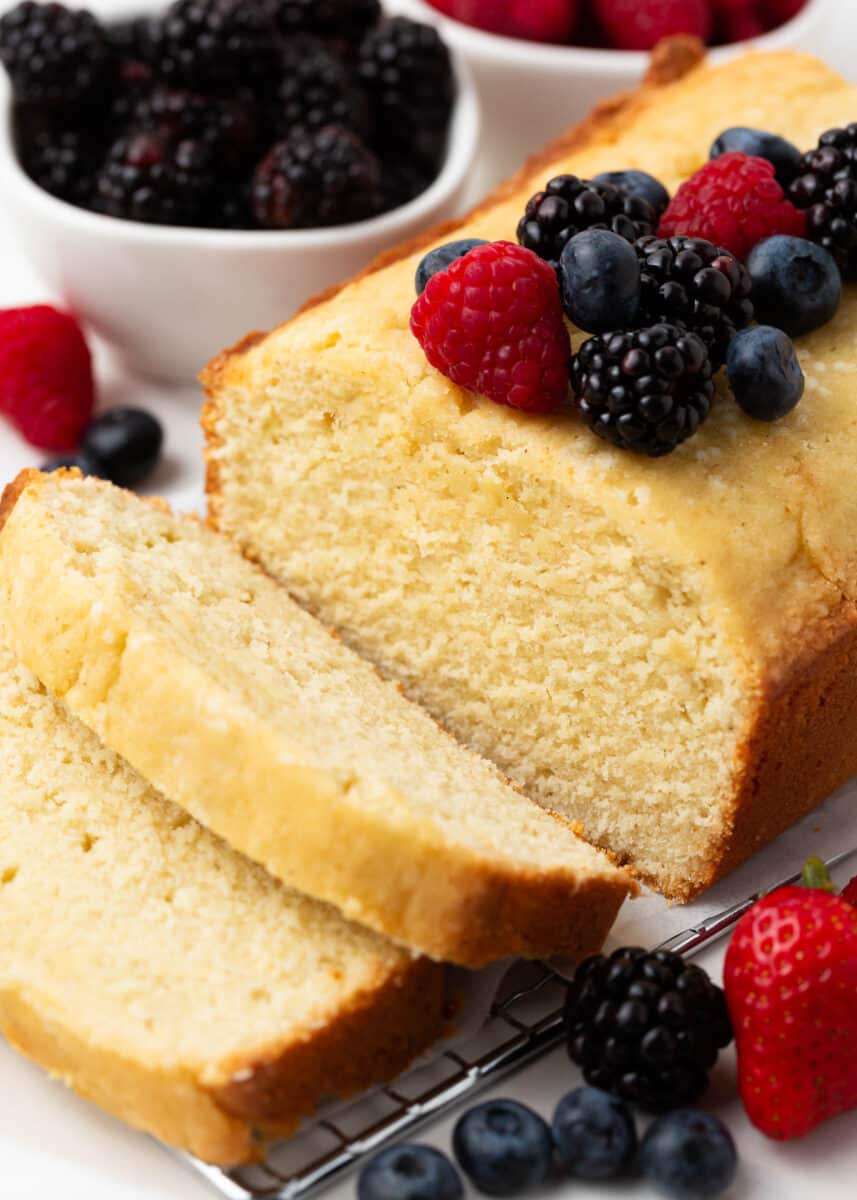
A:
(655, 649)
(203, 673)
(166, 977)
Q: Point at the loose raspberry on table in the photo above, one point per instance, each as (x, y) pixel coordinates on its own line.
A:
(533, 20)
(493, 323)
(640, 24)
(734, 201)
(46, 383)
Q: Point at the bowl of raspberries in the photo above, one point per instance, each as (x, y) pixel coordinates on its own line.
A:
(540, 65)
(184, 173)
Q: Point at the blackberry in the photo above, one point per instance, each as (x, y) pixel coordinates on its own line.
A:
(648, 391)
(646, 1027)
(133, 39)
(692, 282)
(317, 89)
(826, 186)
(64, 162)
(231, 127)
(348, 20)
(53, 55)
(402, 179)
(148, 178)
(569, 205)
(406, 70)
(325, 178)
(207, 44)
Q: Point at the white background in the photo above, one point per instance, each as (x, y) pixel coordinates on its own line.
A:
(56, 1147)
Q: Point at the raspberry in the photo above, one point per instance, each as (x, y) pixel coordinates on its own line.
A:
(46, 384)
(640, 24)
(777, 12)
(533, 20)
(493, 323)
(733, 201)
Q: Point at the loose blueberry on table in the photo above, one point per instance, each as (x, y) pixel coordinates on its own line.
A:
(234, 114)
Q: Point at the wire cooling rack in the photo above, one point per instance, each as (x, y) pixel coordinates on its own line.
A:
(525, 1023)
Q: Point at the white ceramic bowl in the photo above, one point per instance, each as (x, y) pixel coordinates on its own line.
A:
(532, 92)
(167, 299)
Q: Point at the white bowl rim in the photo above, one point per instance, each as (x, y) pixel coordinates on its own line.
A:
(463, 142)
(516, 52)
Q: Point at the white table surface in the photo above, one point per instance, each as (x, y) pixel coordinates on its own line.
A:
(53, 1145)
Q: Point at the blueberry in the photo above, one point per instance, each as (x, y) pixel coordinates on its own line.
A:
(638, 183)
(503, 1147)
(442, 257)
(796, 284)
(594, 1133)
(126, 442)
(764, 373)
(785, 157)
(409, 1172)
(689, 1155)
(599, 274)
(85, 463)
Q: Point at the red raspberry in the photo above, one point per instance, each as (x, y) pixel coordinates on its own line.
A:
(735, 202)
(738, 20)
(46, 384)
(849, 892)
(640, 24)
(534, 20)
(492, 322)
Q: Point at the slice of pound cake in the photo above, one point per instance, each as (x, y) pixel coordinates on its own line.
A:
(201, 671)
(163, 975)
(663, 650)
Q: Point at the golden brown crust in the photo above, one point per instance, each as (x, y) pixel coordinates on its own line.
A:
(228, 1121)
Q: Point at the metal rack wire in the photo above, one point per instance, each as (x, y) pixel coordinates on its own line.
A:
(525, 1023)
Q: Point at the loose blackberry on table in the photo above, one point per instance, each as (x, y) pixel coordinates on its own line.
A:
(646, 1026)
(648, 391)
(700, 285)
(826, 186)
(568, 205)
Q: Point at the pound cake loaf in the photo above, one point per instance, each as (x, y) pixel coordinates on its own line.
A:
(663, 651)
(199, 670)
(163, 975)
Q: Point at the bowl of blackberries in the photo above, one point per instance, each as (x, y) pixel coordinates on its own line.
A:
(188, 174)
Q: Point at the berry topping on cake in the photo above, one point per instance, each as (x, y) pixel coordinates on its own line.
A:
(532, 20)
(46, 385)
(764, 373)
(409, 1172)
(641, 24)
(646, 1026)
(78, 462)
(569, 205)
(791, 980)
(493, 322)
(442, 257)
(146, 177)
(53, 55)
(503, 1147)
(827, 188)
(637, 183)
(125, 443)
(797, 285)
(689, 1155)
(599, 275)
(406, 70)
(782, 154)
(324, 178)
(699, 285)
(734, 201)
(594, 1134)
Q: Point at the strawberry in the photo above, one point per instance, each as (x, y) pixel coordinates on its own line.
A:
(791, 986)
(849, 892)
